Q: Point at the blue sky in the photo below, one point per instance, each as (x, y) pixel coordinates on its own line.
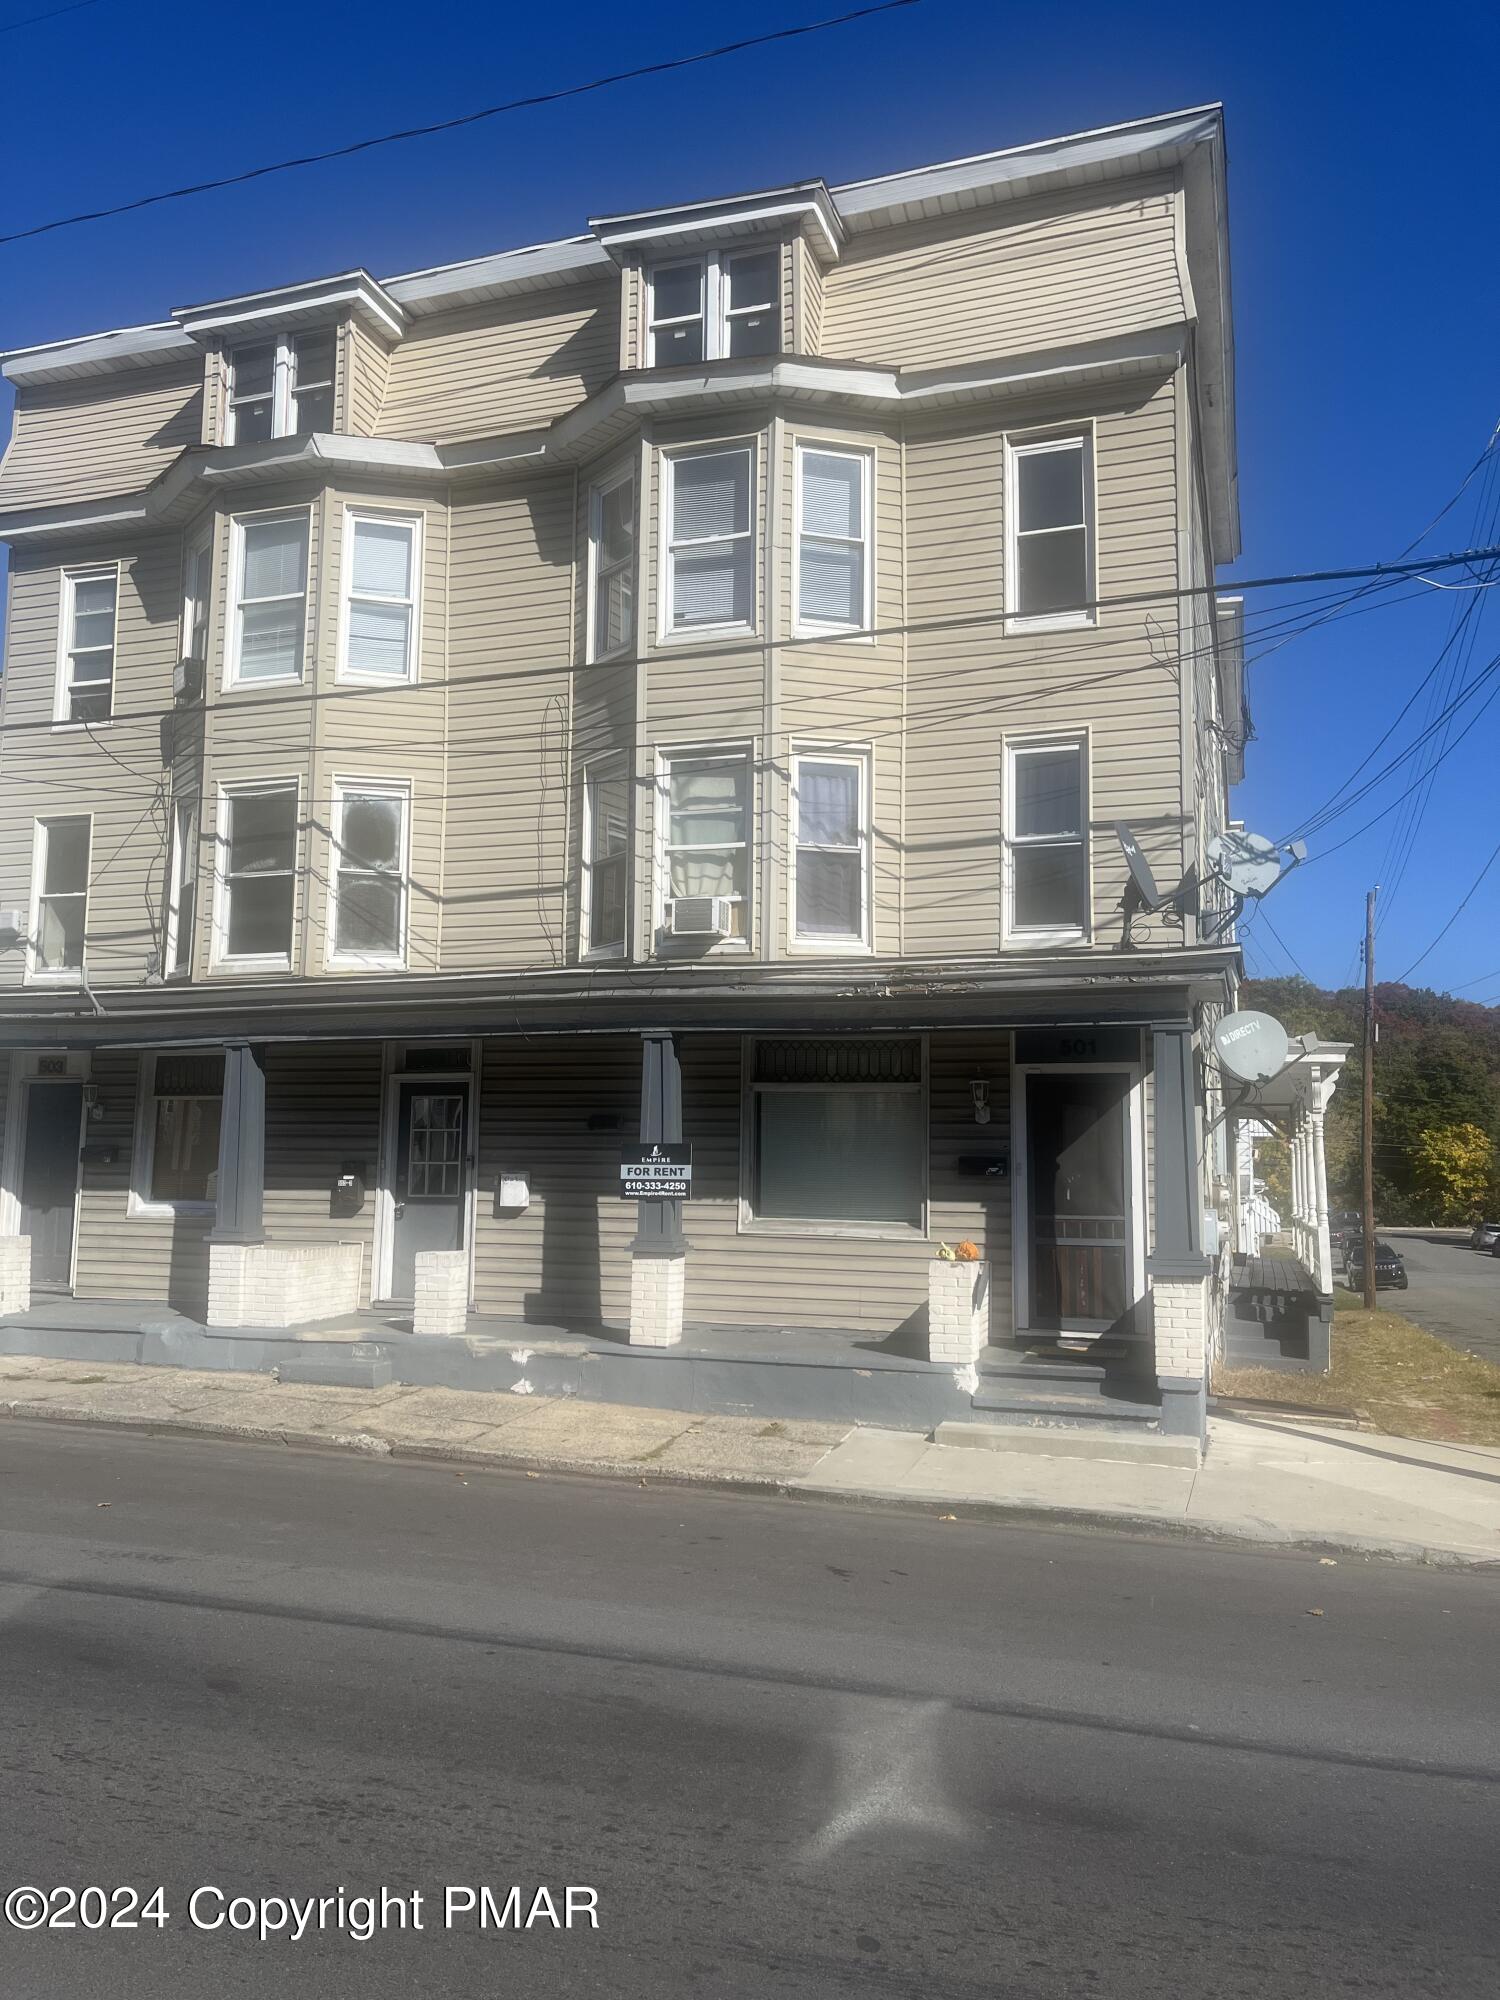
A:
(1361, 202)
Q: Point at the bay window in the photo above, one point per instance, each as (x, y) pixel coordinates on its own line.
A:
(606, 858)
(1049, 553)
(281, 386)
(197, 581)
(257, 875)
(836, 1135)
(382, 565)
(182, 889)
(370, 879)
(833, 540)
(86, 669)
(612, 566)
(830, 849)
(59, 898)
(710, 540)
(704, 806)
(1046, 843)
(270, 597)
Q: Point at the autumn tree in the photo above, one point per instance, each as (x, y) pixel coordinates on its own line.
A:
(1453, 1165)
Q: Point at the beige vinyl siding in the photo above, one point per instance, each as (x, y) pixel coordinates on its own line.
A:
(807, 300)
(633, 315)
(368, 363)
(1066, 267)
(124, 1256)
(505, 366)
(109, 434)
(322, 1111)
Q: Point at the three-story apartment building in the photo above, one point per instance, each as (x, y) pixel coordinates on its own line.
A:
(680, 682)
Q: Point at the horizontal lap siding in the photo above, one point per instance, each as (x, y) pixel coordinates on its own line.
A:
(322, 1110)
(1068, 267)
(74, 440)
(370, 364)
(124, 1256)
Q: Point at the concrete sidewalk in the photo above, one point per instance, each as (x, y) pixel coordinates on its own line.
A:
(1264, 1480)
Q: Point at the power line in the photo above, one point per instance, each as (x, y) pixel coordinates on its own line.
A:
(454, 124)
(31, 20)
(1291, 956)
(1473, 890)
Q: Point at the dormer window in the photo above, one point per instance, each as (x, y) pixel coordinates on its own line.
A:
(281, 387)
(722, 306)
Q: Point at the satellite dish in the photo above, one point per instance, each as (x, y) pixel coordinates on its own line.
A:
(1248, 862)
(1140, 867)
(1252, 1047)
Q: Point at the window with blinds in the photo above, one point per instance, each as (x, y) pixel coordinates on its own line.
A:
(710, 580)
(833, 540)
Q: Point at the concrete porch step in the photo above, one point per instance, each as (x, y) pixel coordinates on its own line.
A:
(1145, 1447)
(1050, 1364)
(1055, 1403)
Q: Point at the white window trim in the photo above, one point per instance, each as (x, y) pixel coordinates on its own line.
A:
(667, 633)
(714, 292)
(237, 526)
(601, 768)
(1016, 448)
(196, 546)
(361, 676)
(380, 961)
(1011, 934)
(220, 957)
(185, 813)
(142, 1154)
(699, 753)
(35, 973)
(597, 493)
(72, 575)
(283, 378)
(831, 947)
(802, 628)
(751, 1224)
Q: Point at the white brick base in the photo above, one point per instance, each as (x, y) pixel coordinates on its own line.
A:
(1180, 1316)
(282, 1284)
(15, 1274)
(442, 1303)
(657, 1288)
(958, 1311)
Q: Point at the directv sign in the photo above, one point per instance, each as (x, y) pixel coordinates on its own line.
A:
(656, 1171)
(1252, 1047)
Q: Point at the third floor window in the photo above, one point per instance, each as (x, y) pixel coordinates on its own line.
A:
(723, 306)
(86, 676)
(282, 387)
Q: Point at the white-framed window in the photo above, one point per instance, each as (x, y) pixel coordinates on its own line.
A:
(59, 899)
(269, 590)
(1046, 840)
(182, 891)
(606, 859)
(86, 643)
(709, 540)
(382, 578)
(612, 540)
(197, 585)
(256, 875)
(724, 305)
(370, 879)
(175, 1165)
(1049, 541)
(834, 571)
(835, 1136)
(704, 819)
(281, 386)
(830, 855)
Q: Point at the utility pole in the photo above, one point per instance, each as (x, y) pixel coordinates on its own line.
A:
(1369, 1101)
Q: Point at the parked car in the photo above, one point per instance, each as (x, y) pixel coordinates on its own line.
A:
(1485, 1236)
(1390, 1266)
(1342, 1224)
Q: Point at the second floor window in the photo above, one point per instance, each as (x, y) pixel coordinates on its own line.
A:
(380, 599)
(1049, 557)
(710, 580)
(60, 895)
(606, 858)
(724, 306)
(830, 864)
(257, 874)
(833, 540)
(1047, 897)
(706, 838)
(197, 581)
(282, 387)
(369, 873)
(270, 613)
(612, 556)
(87, 676)
(182, 889)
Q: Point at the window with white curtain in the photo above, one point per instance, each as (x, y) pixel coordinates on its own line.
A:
(833, 540)
(176, 1165)
(270, 610)
(837, 1134)
(282, 386)
(606, 857)
(86, 670)
(368, 919)
(612, 565)
(710, 540)
(830, 860)
(705, 834)
(1046, 847)
(59, 898)
(257, 874)
(725, 305)
(382, 565)
(1049, 555)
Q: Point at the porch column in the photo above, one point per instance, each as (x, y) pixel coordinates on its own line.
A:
(658, 1262)
(1178, 1269)
(1323, 1274)
(240, 1226)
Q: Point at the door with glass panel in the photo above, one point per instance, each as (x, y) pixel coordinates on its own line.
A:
(431, 1174)
(1078, 1199)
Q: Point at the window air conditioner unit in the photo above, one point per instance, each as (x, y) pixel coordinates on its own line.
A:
(12, 924)
(187, 681)
(700, 916)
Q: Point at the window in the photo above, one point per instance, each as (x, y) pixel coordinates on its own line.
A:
(86, 671)
(368, 920)
(705, 807)
(177, 1132)
(710, 540)
(833, 540)
(382, 564)
(1049, 550)
(837, 1134)
(197, 581)
(281, 387)
(1047, 842)
(829, 865)
(270, 613)
(182, 890)
(606, 859)
(257, 874)
(60, 891)
(612, 558)
(726, 305)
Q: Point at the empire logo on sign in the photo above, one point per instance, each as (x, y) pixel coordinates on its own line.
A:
(656, 1171)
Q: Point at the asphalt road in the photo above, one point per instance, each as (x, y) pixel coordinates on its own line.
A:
(1454, 1292)
(797, 1749)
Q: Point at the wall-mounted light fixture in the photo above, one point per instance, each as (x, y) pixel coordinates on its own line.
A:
(979, 1090)
(91, 1104)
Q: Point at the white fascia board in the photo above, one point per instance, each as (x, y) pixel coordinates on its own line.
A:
(807, 203)
(289, 304)
(492, 277)
(96, 353)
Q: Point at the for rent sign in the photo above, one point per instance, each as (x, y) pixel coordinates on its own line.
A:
(656, 1171)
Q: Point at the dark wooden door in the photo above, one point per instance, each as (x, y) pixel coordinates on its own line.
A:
(49, 1180)
(1079, 1198)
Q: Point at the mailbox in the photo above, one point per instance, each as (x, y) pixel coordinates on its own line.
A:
(348, 1196)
